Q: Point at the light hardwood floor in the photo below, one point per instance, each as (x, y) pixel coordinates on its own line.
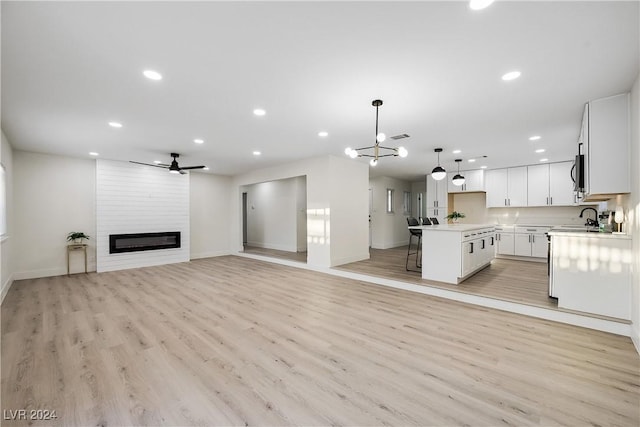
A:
(236, 341)
(510, 280)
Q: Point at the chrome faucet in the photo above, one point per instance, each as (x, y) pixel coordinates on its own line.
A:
(590, 222)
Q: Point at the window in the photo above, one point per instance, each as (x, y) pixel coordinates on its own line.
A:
(3, 202)
(406, 202)
(389, 200)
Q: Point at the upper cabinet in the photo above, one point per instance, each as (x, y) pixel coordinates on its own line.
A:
(506, 187)
(550, 185)
(607, 147)
(473, 181)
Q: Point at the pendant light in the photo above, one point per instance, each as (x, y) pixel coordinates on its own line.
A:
(458, 179)
(438, 173)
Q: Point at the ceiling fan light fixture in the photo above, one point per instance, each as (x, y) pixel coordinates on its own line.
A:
(376, 150)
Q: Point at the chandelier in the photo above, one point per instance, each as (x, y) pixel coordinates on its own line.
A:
(376, 151)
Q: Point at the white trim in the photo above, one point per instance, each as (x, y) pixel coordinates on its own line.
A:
(263, 245)
(352, 258)
(391, 245)
(5, 288)
(36, 274)
(635, 336)
(210, 254)
(575, 319)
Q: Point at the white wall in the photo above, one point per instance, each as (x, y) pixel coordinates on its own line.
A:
(389, 230)
(209, 214)
(633, 211)
(348, 187)
(301, 213)
(140, 199)
(321, 192)
(6, 247)
(53, 195)
(418, 187)
(272, 215)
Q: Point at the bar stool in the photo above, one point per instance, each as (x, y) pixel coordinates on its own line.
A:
(414, 233)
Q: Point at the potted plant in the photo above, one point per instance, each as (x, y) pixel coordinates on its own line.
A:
(76, 237)
(455, 216)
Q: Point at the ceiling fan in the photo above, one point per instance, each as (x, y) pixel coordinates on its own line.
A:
(173, 167)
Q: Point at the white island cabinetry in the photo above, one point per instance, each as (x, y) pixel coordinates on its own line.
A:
(453, 252)
(591, 272)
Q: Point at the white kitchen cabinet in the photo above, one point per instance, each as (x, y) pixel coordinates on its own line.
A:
(478, 249)
(440, 213)
(531, 242)
(506, 187)
(550, 185)
(473, 181)
(437, 194)
(607, 148)
(560, 185)
(504, 240)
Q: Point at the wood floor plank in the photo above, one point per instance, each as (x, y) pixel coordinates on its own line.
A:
(236, 341)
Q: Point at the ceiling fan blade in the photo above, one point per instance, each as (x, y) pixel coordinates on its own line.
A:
(149, 164)
(192, 167)
(181, 172)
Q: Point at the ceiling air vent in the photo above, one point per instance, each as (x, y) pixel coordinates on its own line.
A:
(402, 135)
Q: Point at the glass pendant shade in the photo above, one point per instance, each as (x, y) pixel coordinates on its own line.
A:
(458, 179)
(438, 173)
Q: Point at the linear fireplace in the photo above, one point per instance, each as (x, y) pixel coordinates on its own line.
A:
(143, 241)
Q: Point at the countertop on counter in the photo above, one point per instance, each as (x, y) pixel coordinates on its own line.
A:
(453, 227)
(589, 234)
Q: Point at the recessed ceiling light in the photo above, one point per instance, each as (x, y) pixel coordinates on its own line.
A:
(198, 141)
(259, 112)
(511, 75)
(544, 160)
(540, 150)
(534, 137)
(256, 153)
(93, 153)
(152, 75)
(115, 124)
(457, 151)
(157, 162)
(483, 167)
(479, 4)
(472, 160)
(323, 134)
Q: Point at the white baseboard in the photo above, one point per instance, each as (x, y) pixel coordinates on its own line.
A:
(522, 258)
(35, 274)
(211, 254)
(5, 288)
(352, 258)
(390, 245)
(635, 336)
(278, 247)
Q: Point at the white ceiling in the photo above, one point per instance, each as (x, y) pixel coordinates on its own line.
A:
(68, 68)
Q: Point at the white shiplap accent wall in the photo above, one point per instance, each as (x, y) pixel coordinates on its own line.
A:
(139, 199)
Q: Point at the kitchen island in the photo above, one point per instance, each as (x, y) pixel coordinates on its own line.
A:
(591, 272)
(453, 252)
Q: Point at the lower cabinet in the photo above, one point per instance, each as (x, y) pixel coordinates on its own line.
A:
(531, 242)
(505, 243)
(478, 249)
